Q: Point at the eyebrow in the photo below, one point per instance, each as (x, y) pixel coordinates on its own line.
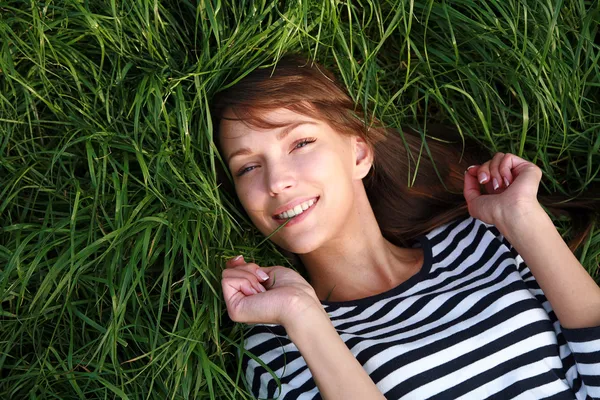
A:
(281, 135)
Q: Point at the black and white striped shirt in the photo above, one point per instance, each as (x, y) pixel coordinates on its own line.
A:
(471, 324)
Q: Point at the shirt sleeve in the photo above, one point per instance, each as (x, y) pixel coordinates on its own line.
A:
(579, 349)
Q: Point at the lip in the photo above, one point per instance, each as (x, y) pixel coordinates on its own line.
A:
(293, 204)
(299, 218)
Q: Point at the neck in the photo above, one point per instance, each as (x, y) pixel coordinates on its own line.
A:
(359, 262)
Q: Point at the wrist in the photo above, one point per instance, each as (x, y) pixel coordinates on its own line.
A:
(518, 217)
(305, 315)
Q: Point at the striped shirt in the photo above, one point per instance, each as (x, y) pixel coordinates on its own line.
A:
(473, 323)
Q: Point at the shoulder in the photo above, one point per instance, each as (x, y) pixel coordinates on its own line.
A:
(460, 228)
(466, 235)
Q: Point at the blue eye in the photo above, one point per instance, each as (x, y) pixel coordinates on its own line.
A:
(242, 172)
(305, 141)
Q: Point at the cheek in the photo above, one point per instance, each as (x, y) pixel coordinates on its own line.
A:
(246, 196)
(329, 166)
(251, 195)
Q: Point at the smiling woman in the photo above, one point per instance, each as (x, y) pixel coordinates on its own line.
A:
(113, 232)
(407, 285)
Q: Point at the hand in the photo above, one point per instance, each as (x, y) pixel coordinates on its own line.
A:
(252, 299)
(511, 184)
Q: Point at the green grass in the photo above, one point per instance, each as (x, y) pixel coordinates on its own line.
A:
(112, 232)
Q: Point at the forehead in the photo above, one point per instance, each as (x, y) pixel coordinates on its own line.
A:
(231, 127)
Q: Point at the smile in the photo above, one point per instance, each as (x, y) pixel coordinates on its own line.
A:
(294, 218)
(299, 209)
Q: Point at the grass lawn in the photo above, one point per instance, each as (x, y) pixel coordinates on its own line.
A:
(113, 234)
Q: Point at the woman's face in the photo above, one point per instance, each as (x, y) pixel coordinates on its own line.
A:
(278, 169)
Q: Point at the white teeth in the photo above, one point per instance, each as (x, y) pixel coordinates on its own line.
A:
(299, 209)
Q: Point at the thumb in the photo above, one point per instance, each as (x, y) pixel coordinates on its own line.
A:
(235, 261)
(471, 188)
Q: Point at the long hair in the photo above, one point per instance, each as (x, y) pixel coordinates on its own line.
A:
(403, 211)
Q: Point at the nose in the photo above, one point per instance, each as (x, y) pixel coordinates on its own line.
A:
(279, 179)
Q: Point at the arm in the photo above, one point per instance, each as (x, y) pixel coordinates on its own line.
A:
(571, 291)
(335, 370)
(290, 301)
(568, 288)
(510, 203)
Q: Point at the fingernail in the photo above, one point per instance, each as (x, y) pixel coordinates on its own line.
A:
(236, 258)
(483, 177)
(496, 185)
(262, 289)
(262, 274)
(253, 290)
(506, 182)
(472, 166)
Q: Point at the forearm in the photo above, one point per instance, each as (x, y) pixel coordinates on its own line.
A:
(335, 370)
(571, 291)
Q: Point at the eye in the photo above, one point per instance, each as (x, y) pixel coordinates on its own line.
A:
(242, 172)
(304, 141)
(298, 144)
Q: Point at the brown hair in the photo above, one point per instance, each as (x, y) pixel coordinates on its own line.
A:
(402, 211)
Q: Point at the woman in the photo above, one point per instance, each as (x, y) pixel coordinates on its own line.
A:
(401, 303)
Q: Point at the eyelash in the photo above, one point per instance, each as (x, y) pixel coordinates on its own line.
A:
(302, 141)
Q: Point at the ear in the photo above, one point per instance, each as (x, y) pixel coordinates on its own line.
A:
(363, 157)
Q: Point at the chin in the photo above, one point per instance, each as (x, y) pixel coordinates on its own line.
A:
(295, 246)
(301, 244)
(299, 250)
(300, 247)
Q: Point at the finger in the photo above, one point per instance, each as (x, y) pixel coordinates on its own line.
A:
(245, 274)
(518, 165)
(494, 174)
(232, 286)
(505, 167)
(261, 272)
(472, 170)
(471, 189)
(235, 261)
(483, 173)
(239, 262)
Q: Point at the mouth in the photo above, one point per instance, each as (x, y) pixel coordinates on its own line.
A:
(298, 217)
